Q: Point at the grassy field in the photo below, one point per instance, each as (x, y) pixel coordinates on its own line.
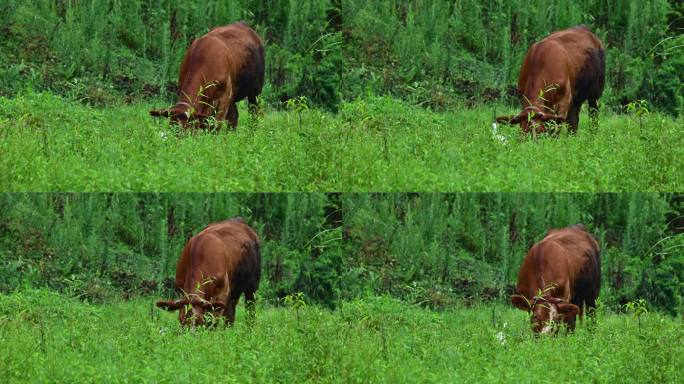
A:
(50, 338)
(376, 144)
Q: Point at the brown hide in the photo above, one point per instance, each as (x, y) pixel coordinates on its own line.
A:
(217, 266)
(219, 69)
(560, 73)
(559, 275)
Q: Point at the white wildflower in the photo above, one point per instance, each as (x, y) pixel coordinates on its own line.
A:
(497, 135)
(501, 337)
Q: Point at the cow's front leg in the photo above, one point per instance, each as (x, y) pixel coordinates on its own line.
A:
(229, 312)
(222, 109)
(232, 115)
(573, 118)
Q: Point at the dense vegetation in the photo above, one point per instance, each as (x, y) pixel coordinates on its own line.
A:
(438, 53)
(99, 246)
(435, 53)
(101, 52)
(360, 96)
(52, 338)
(378, 144)
(393, 95)
(435, 250)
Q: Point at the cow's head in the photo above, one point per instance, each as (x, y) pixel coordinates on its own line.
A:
(192, 311)
(183, 115)
(531, 119)
(546, 312)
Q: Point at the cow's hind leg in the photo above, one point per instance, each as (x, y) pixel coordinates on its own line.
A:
(591, 311)
(250, 305)
(254, 110)
(593, 112)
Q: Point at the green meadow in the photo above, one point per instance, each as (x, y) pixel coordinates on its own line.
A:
(372, 144)
(52, 338)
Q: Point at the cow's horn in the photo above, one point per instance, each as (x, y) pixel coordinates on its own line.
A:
(171, 305)
(553, 117)
(512, 119)
(213, 305)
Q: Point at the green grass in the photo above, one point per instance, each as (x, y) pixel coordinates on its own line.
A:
(50, 338)
(376, 144)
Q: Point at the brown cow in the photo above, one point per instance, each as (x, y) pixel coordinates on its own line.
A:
(558, 74)
(219, 69)
(216, 266)
(559, 274)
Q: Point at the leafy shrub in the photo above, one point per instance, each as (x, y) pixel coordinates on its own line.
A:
(115, 51)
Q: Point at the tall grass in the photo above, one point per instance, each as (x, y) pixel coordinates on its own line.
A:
(52, 338)
(377, 144)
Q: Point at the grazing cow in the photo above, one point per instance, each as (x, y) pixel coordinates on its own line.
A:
(219, 69)
(559, 274)
(216, 266)
(558, 74)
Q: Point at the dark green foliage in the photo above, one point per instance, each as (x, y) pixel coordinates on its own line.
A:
(433, 248)
(101, 52)
(438, 53)
(430, 249)
(435, 53)
(96, 245)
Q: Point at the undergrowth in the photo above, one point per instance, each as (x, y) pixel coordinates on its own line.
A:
(47, 337)
(49, 144)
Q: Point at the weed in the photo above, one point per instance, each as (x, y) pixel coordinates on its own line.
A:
(375, 340)
(372, 144)
(637, 308)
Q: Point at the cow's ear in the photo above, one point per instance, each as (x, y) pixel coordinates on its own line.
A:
(568, 310)
(170, 305)
(160, 112)
(520, 302)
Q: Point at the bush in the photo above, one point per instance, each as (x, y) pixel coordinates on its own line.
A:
(110, 51)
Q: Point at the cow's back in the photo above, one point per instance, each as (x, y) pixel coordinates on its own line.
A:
(244, 52)
(242, 252)
(569, 254)
(584, 254)
(575, 40)
(575, 52)
(232, 56)
(585, 56)
(236, 33)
